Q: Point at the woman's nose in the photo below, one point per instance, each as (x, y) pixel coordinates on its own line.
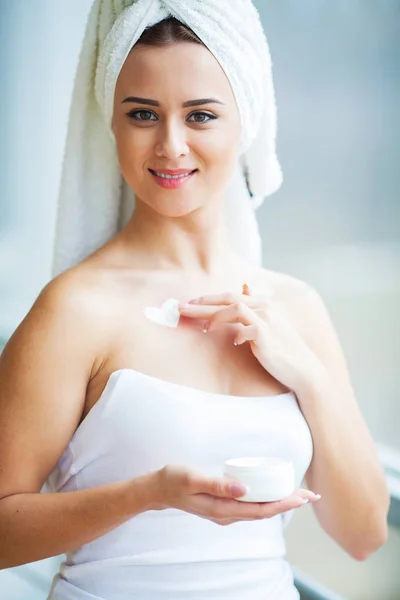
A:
(172, 141)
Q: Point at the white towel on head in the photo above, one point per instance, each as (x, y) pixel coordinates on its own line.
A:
(94, 200)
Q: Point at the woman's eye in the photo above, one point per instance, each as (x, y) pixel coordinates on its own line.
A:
(202, 114)
(134, 114)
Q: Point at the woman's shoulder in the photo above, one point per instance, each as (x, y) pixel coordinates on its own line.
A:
(282, 286)
(302, 303)
(304, 306)
(102, 291)
(76, 287)
(80, 295)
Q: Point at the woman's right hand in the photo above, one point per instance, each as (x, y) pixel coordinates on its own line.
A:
(214, 498)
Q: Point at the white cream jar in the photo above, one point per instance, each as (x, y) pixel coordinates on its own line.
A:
(268, 478)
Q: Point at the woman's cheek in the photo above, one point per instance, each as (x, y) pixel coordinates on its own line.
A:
(225, 144)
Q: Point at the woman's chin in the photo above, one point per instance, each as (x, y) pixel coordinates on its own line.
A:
(182, 210)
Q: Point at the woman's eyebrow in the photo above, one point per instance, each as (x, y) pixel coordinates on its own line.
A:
(188, 103)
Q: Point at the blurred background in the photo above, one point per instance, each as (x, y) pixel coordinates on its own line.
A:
(335, 222)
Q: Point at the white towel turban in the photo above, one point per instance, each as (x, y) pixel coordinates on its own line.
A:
(94, 199)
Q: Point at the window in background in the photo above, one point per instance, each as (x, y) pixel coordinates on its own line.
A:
(336, 220)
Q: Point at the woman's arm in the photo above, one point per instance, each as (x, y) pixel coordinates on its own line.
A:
(35, 526)
(44, 371)
(345, 468)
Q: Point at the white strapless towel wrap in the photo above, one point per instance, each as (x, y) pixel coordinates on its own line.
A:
(94, 200)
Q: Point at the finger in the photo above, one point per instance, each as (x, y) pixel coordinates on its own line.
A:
(230, 508)
(246, 290)
(247, 333)
(222, 488)
(255, 510)
(307, 494)
(301, 495)
(267, 510)
(194, 311)
(227, 299)
(236, 313)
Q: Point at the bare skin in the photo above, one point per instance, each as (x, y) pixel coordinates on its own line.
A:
(210, 363)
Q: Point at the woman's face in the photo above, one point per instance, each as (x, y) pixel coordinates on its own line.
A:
(167, 135)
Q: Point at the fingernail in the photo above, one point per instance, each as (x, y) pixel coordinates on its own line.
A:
(314, 498)
(238, 490)
(304, 501)
(246, 289)
(196, 301)
(206, 326)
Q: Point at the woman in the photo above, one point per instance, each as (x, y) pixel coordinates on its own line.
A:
(133, 420)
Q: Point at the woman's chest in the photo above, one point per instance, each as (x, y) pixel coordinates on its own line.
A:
(184, 355)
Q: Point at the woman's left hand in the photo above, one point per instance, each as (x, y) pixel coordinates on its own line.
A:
(273, 340)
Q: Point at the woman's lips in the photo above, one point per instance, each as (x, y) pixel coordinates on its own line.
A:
(173, 183)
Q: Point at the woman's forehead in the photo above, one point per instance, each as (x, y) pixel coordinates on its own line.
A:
(177, 69)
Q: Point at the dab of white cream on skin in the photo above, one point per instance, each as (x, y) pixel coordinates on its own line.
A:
(167, 315)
